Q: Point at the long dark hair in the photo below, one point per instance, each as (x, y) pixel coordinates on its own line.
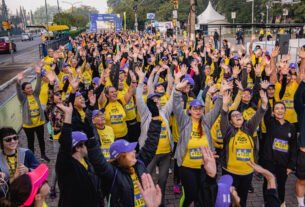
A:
(19, 191)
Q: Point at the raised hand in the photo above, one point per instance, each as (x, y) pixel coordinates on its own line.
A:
(37, 69)
(209, 161)
(66, 109)
(151, 194)
(268, 70)
(236, 71)
(181, 85)
(239, 85)
(73, 82)
(226, 98)
(302, 53)
(92, 98)
(20, 77)
(51, 77)
(264, 98)
(257, 70)
(275, 52)
(140, 74)
(225, 86)
(264, 84)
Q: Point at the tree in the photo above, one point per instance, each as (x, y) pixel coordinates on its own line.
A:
(4, 11)
(40, 14)
(83, 10)
(72, 20)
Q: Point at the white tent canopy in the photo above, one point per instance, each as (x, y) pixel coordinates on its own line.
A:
(210, 16)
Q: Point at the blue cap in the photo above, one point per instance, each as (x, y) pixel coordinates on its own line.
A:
(293, 65)
(158, 84)
(223, 194)
(189, 79)
(96, 80)
(196, 102)
(43, 72)
(248, 89)
(98, 112)
(78, 137)
(267, 53)
(65, 64)
(110, 61)
(145, 80)
(236, 57)
(121, 146)
(78, 94)
(153, 95)
(164, 58)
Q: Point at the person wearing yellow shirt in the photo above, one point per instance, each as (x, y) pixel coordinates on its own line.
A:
(43, 96)
(114, 110)
(32, 112)
(256, 54)
(261, 34)
(86, 76)
(104, 132)
(239, 146)
(194, 128)
(130, 106)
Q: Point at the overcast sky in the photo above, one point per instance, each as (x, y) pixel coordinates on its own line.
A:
(100, 5)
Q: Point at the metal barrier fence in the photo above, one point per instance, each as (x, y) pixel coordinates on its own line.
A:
(53, 44)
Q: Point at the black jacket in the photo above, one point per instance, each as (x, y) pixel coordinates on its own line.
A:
(77, 185)
(118, 180)
(277, 133)
(299, 105)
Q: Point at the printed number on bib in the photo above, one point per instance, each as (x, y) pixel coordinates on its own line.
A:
(195, 154)
(280, 145)
(243, 154)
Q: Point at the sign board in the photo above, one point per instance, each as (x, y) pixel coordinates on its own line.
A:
(287, 1)
(106, 18)
(175, 14)
(249, 0)
(150, 16)
(233, 15)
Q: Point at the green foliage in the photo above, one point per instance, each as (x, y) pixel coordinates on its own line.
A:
(72, 20)
(243, 9)
(40, 14)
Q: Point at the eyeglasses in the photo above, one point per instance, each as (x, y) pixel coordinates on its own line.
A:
(237, 115)
(9, 139)
(57, 94)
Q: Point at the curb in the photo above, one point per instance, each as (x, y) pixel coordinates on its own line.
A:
(9, 82)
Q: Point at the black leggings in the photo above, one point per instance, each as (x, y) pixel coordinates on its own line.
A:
(177, 179)
(280, 174)
(242, 184)
(190, 179)
(30, 134)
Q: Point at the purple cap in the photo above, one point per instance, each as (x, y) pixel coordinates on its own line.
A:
(164, 58)
(65, 64)
(121, 146)
(95, 80)
(78, 94)
(153, 95)
(293, 65)
(196, 102)
(236, 57)
(43, 72)
(122, 70)
(267, 53)
(110, 61)
(65, 78)
(97, 112)
(78, 137)
(223, 198)
(189, 79)
(158, 84)
(145, 80)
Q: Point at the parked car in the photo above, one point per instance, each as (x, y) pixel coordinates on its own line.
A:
(26, 36)
(5, 45)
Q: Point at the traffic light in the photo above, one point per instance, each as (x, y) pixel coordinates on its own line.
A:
(175, 3)
(6, 25)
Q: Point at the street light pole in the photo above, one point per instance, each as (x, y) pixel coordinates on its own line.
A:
(46, 5)
(252, 15)
(72, 4)
(58, 6)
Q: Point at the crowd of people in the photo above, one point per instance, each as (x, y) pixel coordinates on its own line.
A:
(121, 108)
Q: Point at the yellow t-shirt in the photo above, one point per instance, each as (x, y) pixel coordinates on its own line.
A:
(248, 114)
(87, 77)
(193, 155)
(250, 83)
(106, 138)
(216, 134)
(44, 204)
(240, 152)
(164, 99)
(116, 118)
(138, 198)
(288, 100)
(164, 143)
(34, 113)
(84, 163)
(43, 96)
(82, 115)
(11, 163)
(129, 107)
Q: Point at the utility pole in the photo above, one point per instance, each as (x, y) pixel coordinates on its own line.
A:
(192, 19)
(72, 4)
(58, 6)
(46, 5)
(135, 9)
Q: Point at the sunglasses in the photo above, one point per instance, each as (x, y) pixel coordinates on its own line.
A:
(57, 94)
(9, 139)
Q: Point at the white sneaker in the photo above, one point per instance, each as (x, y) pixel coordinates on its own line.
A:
(170, 171)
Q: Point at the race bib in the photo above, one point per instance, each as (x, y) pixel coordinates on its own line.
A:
(280, 145)
(163, 133)
(106, 154)
(116, 119)
(129, 106)
(289, 104)
(34, 113)
(243, 154)
(139, 201)
(219, 134)
(195, 154)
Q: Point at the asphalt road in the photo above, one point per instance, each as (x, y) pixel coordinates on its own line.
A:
(22, 47)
